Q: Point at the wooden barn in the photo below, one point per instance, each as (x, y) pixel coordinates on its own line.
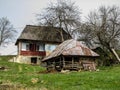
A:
(35, 42)
(71, 55)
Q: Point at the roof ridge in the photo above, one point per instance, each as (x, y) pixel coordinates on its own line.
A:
(43, 26)
(71, 40)
(43, 33)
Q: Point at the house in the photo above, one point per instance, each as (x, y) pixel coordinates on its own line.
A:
(35, 42)
(71, 55)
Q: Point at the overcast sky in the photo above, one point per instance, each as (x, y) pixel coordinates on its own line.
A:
(23, 12)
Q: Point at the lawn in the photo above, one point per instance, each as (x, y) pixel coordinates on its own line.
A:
(28, 77)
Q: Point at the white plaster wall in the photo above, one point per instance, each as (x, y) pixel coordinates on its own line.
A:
(49, 48)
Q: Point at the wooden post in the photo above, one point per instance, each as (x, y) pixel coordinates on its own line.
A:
(60, 61)
(72, 61)
(54, 64)
(94, 67)
(63, 61)
(19, 47)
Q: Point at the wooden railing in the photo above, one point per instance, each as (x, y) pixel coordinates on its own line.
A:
(65, 65)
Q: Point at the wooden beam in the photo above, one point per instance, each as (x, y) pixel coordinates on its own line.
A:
(60, 61)
(72, 61)
(63, 61)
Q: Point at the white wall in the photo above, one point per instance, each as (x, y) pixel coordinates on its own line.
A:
(49, 48)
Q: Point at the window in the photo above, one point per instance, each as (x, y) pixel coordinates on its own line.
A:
(40, 47)
(25, 46)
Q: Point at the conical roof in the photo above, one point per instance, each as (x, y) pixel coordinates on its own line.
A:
(71, 48)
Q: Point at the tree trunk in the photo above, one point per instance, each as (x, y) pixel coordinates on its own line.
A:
(61, 31)
(115, 54)
(62, 38)
(0, 43)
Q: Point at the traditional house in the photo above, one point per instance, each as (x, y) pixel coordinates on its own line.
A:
(35, 42)
(71, 55)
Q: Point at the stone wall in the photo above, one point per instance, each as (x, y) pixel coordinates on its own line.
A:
(26, 59)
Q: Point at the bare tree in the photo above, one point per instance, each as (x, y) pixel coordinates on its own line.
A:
(105, 26)
(85, 34)
(6, 31)
(63, 14)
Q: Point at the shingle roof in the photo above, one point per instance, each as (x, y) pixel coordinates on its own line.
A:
(71, 47)
(43, 33)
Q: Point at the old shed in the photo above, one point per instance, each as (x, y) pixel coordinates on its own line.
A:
(71, 55)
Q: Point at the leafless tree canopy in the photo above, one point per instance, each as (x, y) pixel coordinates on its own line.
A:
(6, 31)
(106, 25)
(103, 27)
(63, 14)
(86, 34)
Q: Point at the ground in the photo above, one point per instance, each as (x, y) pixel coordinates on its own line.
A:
(16, 76)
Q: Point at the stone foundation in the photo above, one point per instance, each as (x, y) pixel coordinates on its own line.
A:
(27, 59)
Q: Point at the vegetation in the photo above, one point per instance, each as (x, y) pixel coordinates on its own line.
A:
(106, 58)
(31, 77)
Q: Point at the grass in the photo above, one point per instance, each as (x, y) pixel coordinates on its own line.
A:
(28, 77)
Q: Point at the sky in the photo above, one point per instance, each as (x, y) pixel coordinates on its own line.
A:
(23, 12)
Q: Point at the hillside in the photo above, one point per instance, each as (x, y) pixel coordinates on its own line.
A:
(28, 77)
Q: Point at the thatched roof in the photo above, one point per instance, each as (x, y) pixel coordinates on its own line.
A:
(71, 48)
(43, 33)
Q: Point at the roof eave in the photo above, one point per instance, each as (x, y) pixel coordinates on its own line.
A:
(44, 60)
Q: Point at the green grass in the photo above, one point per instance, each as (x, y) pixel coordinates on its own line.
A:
(28, 76)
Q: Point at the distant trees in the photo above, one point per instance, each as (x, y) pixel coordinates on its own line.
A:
(6, 31)
(63, 14)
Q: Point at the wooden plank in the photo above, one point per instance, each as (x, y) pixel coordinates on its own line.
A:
(63, 61)
(72, 61)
